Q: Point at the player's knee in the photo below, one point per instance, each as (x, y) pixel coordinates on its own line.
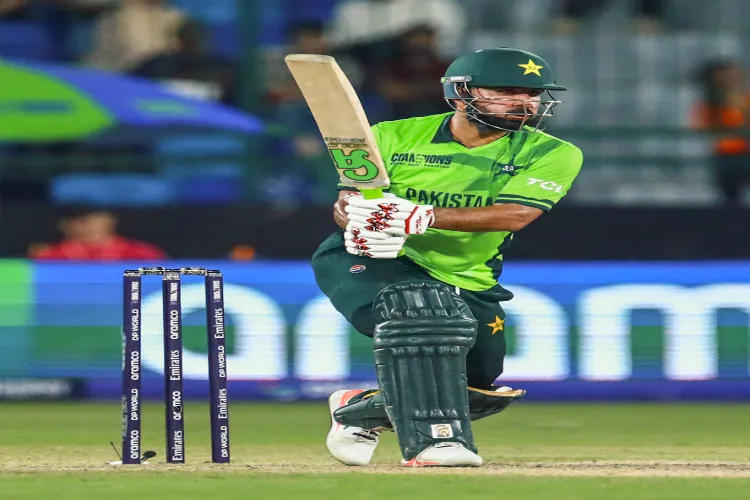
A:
(362, 320)
(418, 308)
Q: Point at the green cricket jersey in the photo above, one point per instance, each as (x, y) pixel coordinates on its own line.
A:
(427, 166)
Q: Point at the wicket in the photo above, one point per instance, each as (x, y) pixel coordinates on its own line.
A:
(173, 350)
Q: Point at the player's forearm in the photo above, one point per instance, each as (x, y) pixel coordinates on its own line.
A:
(502, 217)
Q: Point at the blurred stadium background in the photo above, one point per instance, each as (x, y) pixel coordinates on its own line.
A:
(636, 287)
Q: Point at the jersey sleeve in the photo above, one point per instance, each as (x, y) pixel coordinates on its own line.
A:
(546, 181)
(377, 131)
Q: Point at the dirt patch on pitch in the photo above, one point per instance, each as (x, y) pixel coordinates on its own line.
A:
(623, 469)
(582, 468)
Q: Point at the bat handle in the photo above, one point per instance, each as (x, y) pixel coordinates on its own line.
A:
(371, 194)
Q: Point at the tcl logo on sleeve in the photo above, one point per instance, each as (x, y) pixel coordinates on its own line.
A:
(548, 185)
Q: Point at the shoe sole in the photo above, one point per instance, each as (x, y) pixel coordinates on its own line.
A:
(468, 460)
(420, 463)
(334, 403)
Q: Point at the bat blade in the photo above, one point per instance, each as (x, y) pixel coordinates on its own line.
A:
(342, 122)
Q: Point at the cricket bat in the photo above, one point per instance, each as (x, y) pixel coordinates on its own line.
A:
(342, 122)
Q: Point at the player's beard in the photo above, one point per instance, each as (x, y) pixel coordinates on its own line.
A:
(487, 123)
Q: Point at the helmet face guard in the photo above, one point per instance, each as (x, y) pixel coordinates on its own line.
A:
(458, 88)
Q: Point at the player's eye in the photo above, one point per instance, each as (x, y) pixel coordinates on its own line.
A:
(529, 92)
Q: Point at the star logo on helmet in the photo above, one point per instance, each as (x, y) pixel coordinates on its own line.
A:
(530, 68)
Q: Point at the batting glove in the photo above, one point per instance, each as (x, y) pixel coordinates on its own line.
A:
(390, 215)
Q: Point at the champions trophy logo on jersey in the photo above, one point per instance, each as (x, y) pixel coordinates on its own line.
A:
(422, 160)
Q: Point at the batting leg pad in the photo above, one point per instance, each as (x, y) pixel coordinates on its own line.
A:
(422, 334)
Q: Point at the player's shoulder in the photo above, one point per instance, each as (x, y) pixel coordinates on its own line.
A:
(431, 122)
(545, 151)
(546, 141)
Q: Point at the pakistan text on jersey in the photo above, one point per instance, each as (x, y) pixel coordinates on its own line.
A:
(447, 200)
(436, 161)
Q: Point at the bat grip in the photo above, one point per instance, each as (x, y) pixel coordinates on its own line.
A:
(371, 194)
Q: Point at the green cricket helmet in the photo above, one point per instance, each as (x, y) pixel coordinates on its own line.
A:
(502, 68)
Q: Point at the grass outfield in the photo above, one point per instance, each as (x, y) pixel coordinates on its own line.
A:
(561, 452)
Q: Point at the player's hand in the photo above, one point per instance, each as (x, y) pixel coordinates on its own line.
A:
(390, 215)
(372, 244)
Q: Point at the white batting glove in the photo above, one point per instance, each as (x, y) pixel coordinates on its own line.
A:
(372, 244)
(391, 215)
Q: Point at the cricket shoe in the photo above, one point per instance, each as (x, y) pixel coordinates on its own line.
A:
(348, 444)
(445, 455)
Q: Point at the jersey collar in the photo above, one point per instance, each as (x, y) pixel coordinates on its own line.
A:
(444, 134)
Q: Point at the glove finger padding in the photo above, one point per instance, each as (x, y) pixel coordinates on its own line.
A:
(399, 241)
(368, 213)
(374, 253)
(356, 231)
(383, 214)
(375, 223)
(387, 247)
(379, 229)
(375, 248)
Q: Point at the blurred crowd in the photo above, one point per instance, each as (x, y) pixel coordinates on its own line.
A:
(395, 61)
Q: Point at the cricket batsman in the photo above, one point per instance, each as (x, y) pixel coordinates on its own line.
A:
(417, 270)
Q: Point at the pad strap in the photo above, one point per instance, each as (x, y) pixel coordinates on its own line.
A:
(367, 410)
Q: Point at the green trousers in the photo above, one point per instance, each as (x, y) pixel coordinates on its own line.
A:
(352, 283)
